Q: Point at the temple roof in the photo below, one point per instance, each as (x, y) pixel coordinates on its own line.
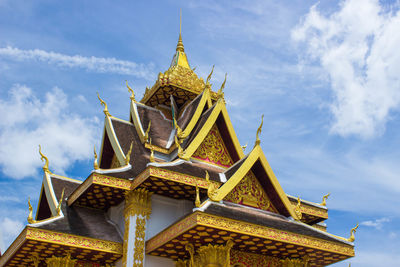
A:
(79, 220)
(252, 230)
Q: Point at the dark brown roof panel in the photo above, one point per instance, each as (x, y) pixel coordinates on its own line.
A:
(79, 220)
(189, 111)
(161, 127)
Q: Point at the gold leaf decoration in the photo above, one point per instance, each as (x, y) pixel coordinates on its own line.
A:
(213, 149)
(250, 193)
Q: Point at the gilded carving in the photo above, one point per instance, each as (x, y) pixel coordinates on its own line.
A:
(138, 202)
(61, 261)
(46, 161)
(273, 234)
(297, 209)
(210, 255)
(180, 178)
(111, 181)
(249, 192)
(324, 198)
(352, 231)
(103, 103)
(139, 242)
(303, 262)
(311, 210)
(73, 240)
(30, 216)
(213, 149)
(245, 259)
(181, 77)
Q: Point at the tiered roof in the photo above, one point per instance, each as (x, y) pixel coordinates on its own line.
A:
(179, 137)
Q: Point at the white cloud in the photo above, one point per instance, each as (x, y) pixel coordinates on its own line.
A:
(9, 231)
(378, 223)
(28, 121)
(94, 64)
(358, 47)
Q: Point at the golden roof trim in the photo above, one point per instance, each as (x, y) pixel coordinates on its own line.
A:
(255, 154)
(77, 241)
(99, 179)
(159, 172)
(311, 210)
(203, 219)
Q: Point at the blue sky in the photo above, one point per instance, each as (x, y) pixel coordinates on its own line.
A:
(325, 75)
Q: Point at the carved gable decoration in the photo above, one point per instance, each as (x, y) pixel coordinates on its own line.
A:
(249, 192)
(213, 149)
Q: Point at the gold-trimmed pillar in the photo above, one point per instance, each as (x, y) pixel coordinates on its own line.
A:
(209, 256)
(137, 211)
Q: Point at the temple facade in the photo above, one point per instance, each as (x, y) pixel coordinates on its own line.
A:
(172, 186)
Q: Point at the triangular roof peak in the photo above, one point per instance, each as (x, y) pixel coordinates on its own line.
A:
(258, 164)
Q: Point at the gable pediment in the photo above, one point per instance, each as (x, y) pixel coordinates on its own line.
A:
(213, 150)
(249, 192)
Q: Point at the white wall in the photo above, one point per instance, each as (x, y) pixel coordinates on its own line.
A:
(165, 211)
(116, 215)
(153, 261)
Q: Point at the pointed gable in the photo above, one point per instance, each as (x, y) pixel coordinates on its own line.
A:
(43, 211)
(249, 192)
(256, 163)
(215, 117)
(213, 149)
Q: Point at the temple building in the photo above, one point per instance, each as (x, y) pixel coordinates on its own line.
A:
(172, 186)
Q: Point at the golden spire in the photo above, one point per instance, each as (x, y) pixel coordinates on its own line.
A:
(45, 159)
(95, 164)
(179, 46)
(180, 58)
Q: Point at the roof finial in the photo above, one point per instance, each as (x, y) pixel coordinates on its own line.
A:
(45, 159)
(258, 141)
(30, 217)
(105, 106)
(352, 231)
(95, 164)
(132, 97)
(297, 209)
(179, 47)
(324, 198)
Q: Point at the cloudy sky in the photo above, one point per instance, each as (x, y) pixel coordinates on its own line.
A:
(325, 74)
